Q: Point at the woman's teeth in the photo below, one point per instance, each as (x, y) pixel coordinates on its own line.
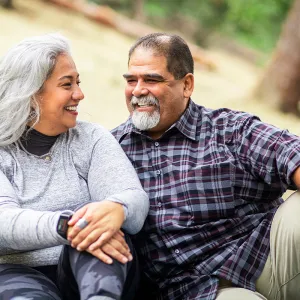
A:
(72, 108)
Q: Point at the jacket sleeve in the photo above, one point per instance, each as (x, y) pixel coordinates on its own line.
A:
(112, 177)
(24, 229)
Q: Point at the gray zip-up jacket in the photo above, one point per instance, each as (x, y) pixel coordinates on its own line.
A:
(85, 164)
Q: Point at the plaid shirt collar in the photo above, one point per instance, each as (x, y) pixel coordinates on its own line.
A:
(187, 124)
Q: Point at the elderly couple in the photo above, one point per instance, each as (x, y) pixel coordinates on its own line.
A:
(179, 202)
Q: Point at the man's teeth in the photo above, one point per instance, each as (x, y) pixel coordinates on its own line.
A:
(143, 105)
(72, 108)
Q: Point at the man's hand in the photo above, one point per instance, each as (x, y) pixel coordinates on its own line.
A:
(104, 219)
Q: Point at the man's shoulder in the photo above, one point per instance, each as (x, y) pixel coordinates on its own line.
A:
(226, 115)
(120, 130)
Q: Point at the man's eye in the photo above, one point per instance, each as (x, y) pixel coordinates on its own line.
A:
(131, 81)
(151, 81)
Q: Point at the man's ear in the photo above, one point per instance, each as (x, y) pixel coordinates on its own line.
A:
(188, 81)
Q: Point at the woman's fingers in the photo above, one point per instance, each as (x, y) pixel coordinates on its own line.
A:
(113, 253)
(95, 236)
(77, 215)
(116, 244)
(101, 255)
(103, 220)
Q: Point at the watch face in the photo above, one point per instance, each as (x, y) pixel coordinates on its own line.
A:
(62, 225)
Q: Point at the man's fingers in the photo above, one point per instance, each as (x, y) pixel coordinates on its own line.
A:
(101, 255)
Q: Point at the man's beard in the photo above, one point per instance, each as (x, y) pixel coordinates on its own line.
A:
(145, 120)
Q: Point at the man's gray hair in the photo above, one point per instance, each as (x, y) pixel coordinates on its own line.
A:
(23, 71)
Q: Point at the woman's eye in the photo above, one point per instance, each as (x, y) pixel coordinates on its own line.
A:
(67, 84)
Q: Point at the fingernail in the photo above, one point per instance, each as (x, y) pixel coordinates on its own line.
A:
(124, 260)
(109, 261)
(130, 258)
(78, 249)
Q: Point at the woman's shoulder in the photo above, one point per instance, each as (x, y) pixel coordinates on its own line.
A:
(87, 132)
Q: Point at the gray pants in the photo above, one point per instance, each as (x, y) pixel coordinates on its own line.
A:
(79, 276)
(280, 279)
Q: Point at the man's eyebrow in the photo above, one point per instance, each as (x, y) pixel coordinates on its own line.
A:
(148, 75)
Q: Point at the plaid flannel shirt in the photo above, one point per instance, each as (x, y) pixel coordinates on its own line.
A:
(215, 180)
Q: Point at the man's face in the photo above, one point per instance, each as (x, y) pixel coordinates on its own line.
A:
(154, 98)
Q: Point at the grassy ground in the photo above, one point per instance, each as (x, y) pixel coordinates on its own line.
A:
(101, 57)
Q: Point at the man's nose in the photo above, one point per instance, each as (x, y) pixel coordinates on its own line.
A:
(140, 89)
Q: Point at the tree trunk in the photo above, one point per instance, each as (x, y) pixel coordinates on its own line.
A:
(6, 3)
(280, 84)
(139, 14)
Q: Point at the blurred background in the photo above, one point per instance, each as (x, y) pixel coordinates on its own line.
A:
(246, 52)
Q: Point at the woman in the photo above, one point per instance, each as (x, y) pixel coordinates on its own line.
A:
(62, 182)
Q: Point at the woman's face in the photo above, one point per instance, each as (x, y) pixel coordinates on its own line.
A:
(59, 98)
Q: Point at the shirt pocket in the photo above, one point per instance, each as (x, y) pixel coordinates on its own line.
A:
(210, 190)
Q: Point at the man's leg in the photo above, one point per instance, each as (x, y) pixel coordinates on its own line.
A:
(81, 273)
(232, 293)
(18, 282)
(280, 279)
(227, 292)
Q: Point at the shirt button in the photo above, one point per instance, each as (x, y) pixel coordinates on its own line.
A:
(177, 251)
(159, 204)
(158, 172)
(156, 144)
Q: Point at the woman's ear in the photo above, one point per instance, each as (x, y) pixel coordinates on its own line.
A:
(188, 81)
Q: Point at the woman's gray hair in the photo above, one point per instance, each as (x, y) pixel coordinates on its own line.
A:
(23, 71)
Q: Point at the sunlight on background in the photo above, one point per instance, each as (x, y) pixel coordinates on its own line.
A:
(101, 57)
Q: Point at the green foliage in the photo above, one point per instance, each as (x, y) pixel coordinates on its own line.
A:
(256, 23)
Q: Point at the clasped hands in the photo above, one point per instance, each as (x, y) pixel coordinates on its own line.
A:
(102, 236)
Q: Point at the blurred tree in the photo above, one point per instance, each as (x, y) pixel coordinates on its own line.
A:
(254, 23)
(280, 83)
(6, 3)
(139, 14)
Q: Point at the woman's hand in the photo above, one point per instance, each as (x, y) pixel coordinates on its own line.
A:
(115, 248)
(104, 219)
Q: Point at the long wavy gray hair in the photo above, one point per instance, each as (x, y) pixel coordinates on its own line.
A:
(23, 71)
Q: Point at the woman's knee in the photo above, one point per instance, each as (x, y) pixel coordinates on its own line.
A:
(22, 282)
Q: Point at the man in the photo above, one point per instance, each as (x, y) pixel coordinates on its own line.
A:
(215, 180)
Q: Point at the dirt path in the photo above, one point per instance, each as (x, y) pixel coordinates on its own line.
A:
(101, 57)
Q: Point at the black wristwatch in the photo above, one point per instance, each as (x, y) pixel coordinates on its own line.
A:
(62, 224)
